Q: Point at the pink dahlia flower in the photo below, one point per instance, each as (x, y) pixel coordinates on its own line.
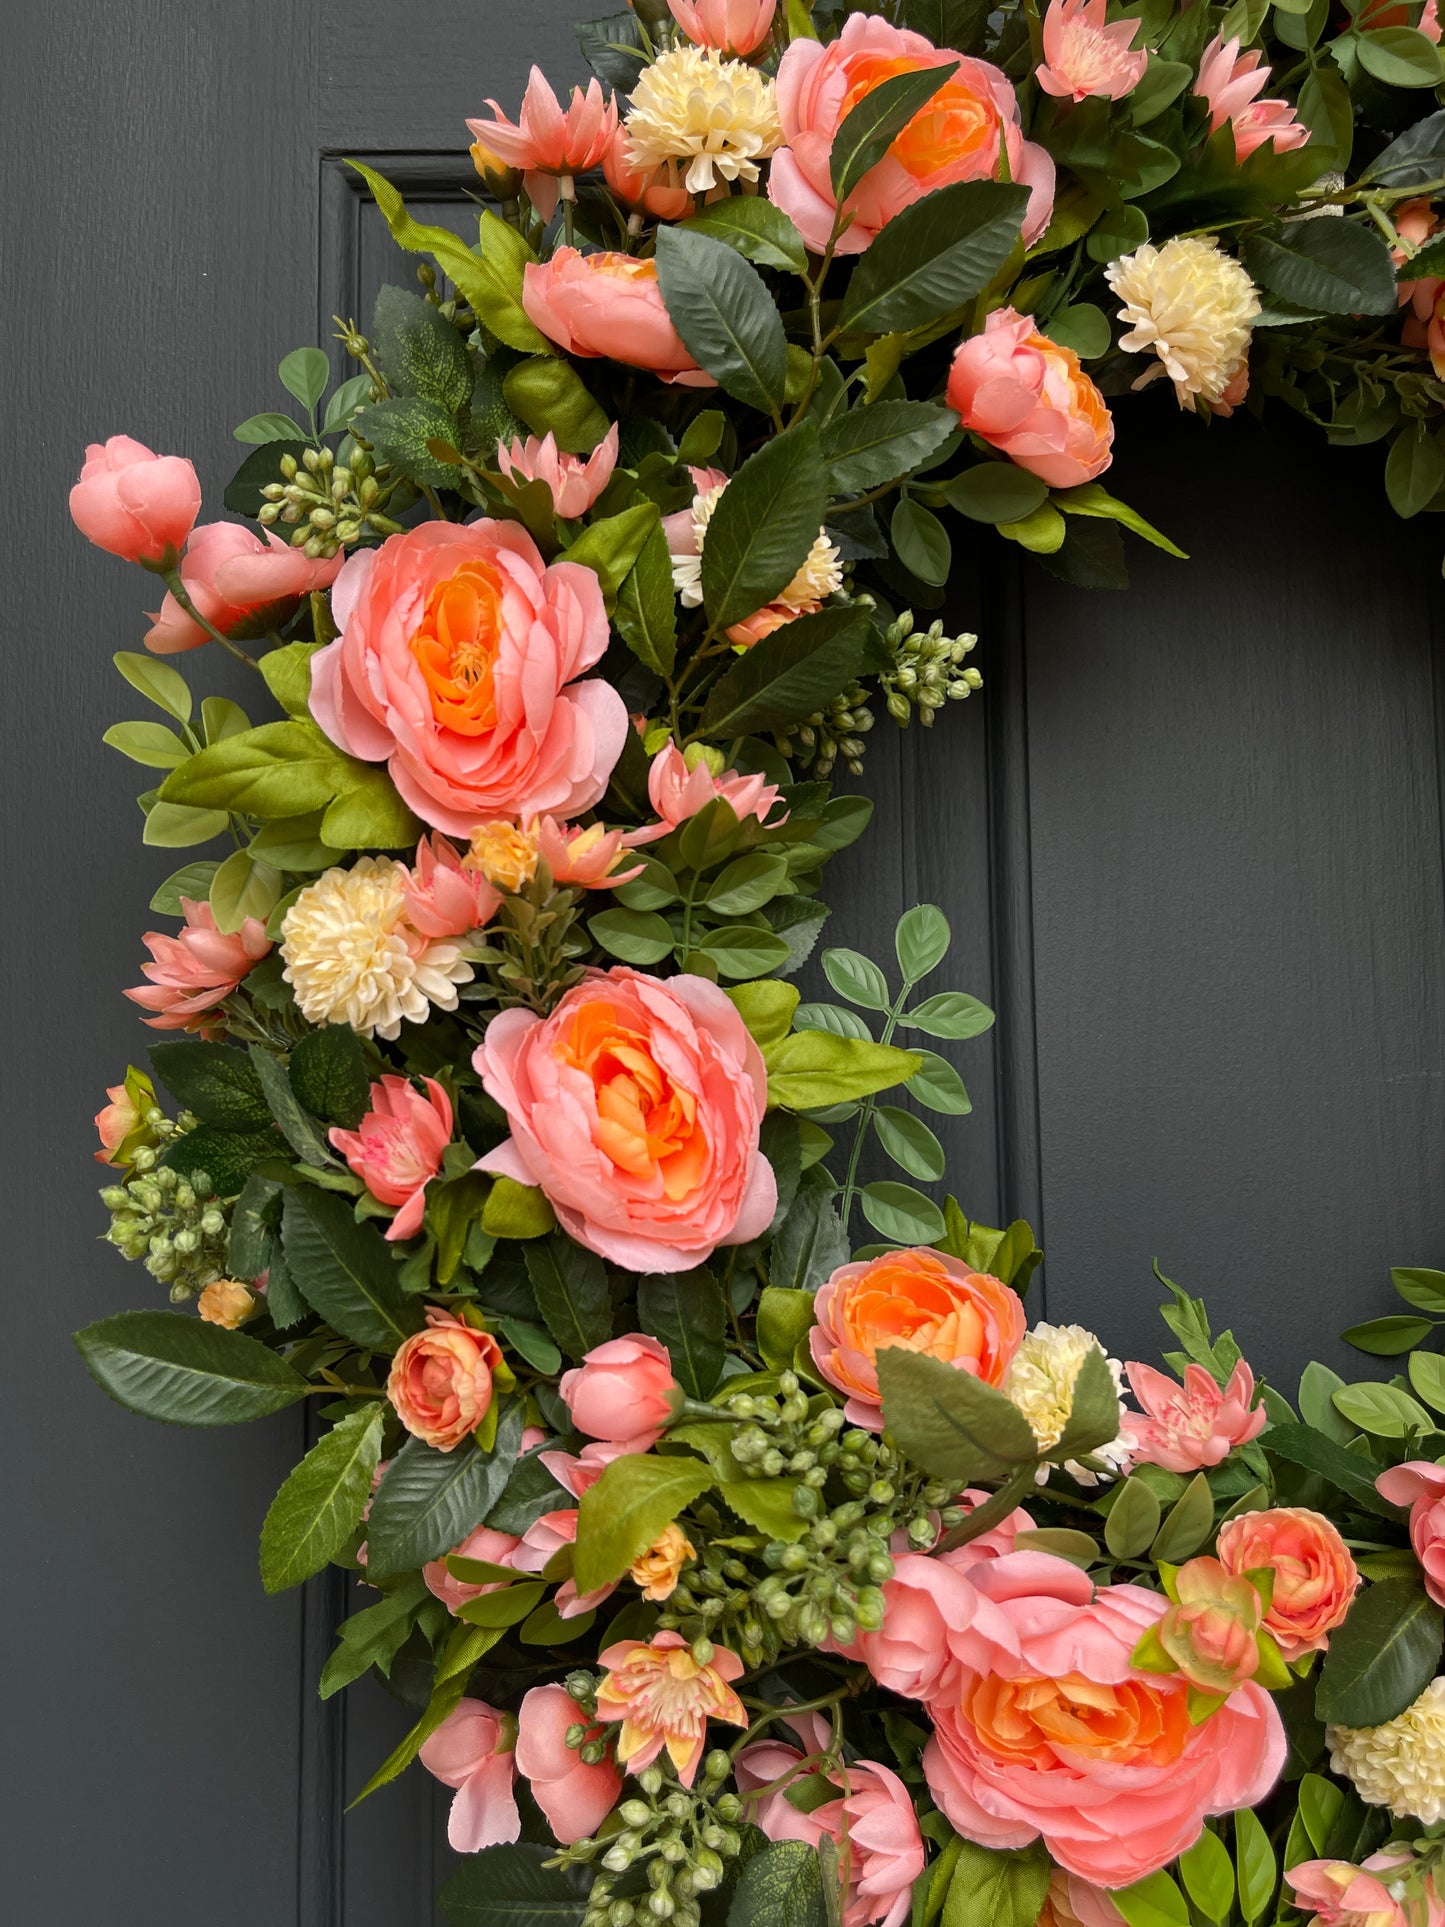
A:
(1193, 1425)
(1228, 83)
(1084, 56)
(397, 1148)
(547, 140)
(472, 1750)
(242, 583)
(575, 1797)
(677, 793)
(197, 969)
(575, 484)
(134, 503)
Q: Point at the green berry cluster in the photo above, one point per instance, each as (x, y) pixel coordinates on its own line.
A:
(326, 505)
(672, 1847)
(927, 670)
(819, 740)
(175, 1224)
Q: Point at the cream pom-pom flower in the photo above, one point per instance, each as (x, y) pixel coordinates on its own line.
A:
(1194, 305)
(1040, 1384)
(352, 958)
(820, 576)
(1401, 1764)
(711, 117)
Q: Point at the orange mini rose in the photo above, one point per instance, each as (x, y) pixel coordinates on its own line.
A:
(922, 1300)
(441, 1380)
(1314, 1576)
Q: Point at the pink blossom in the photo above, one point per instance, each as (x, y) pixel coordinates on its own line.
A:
(578, 1473)
(1420, 1484)
(541, 1543)
(1084, 56)
(678, 792)
(242, 583)
(197, 969)
(732, 26)
(1228, 82)
(397, 1148)
(576, 1798)
(1029, 397)
(575, 484)
(444, 896)
(545, 141)
(608, 304)
(496, 1548)
(664, 1697)
(134, 503)
(623, 1389)
(586, 859)
(472, 1750)
(1194, 1425)
(1341, 1895)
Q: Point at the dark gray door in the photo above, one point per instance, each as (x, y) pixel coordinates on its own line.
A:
(1189, 840)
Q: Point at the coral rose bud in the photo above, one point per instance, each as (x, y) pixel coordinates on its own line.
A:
(441, 1380)
(608, 305)
(1314, 1575)
(1211, 1632)
(226, 1302)
(730, 26)
(1421, 1485)
(134, 503)
(1028, 396)
(623, 1390)
(242, 583)
(575, 1797)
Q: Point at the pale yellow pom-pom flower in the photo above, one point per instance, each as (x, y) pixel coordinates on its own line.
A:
(1040, 1384)
(1401, 1764)
(1194, 306)
(710, 117)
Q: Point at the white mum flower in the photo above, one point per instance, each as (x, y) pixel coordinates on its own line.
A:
(1400, 1765)
(1040, 1383)
(352, 958)
(1194, 305)
(820, 576)
(717, 118)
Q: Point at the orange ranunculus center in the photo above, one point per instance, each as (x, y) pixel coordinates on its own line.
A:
(1048, 1722)
(645, 1122)
(955, 125)
(455, 647)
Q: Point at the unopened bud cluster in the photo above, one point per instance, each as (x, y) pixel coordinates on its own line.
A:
(927, 669)
(326, 505)
(817, 743)
(173, 1223)
(676, 1838)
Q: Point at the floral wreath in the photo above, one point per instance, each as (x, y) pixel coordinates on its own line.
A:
(758, 1575)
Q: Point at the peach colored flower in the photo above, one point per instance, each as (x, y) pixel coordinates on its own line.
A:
(920, 1299)
(397, 1148)
(197, 969)
(1341, 1895)
(1425, 325)
(444, 895)
(585, 859)
(547, 141)
(1420, 1484)
(959, 135)
(472, 1750)
(575, 1797)
(575, 484)
(623, 1389)
(646, 190)
(658, 1570)
(1228, 82)
(1194, 1425)
(679, 785)
(731, 26)
(504, 853)
(1416, 222)
(1029, 397)
(457, 666)
(502, 181)
(441, 1380)
(496, 1548)
(1314, 1575)
(636, 1106)
(242, 583)
(608, 305)
(122, 1123)
(226, 1302)
(665, 1697)
(1211, 1630)
(1072, 1902)
(1084, 56)
(134, 503)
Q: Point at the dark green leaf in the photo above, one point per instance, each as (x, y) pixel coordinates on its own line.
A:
(224, 1158)
(429, 1501)
(243, 492)
(1346, 1471)
(755, 228)
(170, 1365)
(1187, 1524)
(765, 522)
(530, 1492)
(402, 433)
(328, 1075)
(789, 674)
(646, 612)
(1383, 1657)
(950, 1423)
(870, 128)
(921, 542)
(867, 446)
(216, 1082)
(513, 1887)
(1329, 267)
(1414, 469)
(996, 492)
(572, 1295)
(810, 1244)
(296, 1127)
(320, 1505)
(728, 321)
(685, 1311)
(934, 256)
(420, 351)
(780, 1887)
(1414, 158)
(345, 1270)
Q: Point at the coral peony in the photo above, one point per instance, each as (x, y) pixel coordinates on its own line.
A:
(1420, 1484)
(496, 1548)
(680, 784)
(397, 1148)
(1084, 56)
(1194, 306)
(242, 583)
(575, 1797)
(472, 1751)
(703, 120)
(441, 1380)
(1228, 82)
(134, 503)
(443, 895)
(574, 483)
(623, 1389)
(959, 135)
(1194, 1425)
(194, 971)
(1314, 1575)
(547, 142)
(665, 1697)
(456, 666)
(923, 1300)
(608, 305)
(1400, 1764)
(1030, 398)
(731, 26)
(636, 1106)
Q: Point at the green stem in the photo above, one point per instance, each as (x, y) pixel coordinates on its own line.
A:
(172, 580)
(993, 1511)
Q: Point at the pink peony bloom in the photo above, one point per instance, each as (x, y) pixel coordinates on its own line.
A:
(623, 1390)
(194, 971)
(1030, 398)
(576, 1798)
(608, 305)
(1084, 56)
(456, 666)
(1228, 82)
(1342, 1895)
(575, 483)
(959, 135)
(1420, 1485)
(1314, 1575)
(636, 1106)
(1063, 1738)
(664, 1698)
(472, 1751)
(547, 141)
(1194, 1425)
(678, 792)
(495, 1547)
(930, 1604)
(133, 503)
(646, 190)
(585, 859)
(732, 26)
(444, 896)
(397, 1148)
(441, 1380)
(242, 583)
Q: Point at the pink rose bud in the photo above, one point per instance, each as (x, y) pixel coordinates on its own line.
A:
(574, 483)
(731, 26)
(1028, 397)
(496, 1548)
(1194, 1425)
(575, 1797)
(1420, 1485)
(133, 503)
(623, 1390)
(1314, 1575)
(397, 1148)
(243, 584)
(441, 1380)
(226, 1302)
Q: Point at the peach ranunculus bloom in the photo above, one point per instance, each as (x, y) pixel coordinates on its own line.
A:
(678, 788)
(1187, 1427)
(584, 859)
(636, 1106)
(396, 1150)
(665, 1697)
(134, 503)
(243, 584)
(959, 135)
(923, 1300)
(226, 1302)
(457, 666)
(1228, 83)
(575, 1797)
(1339, 1894)
(608, 305)
(548, 142)
(445, 896)
(496, 1548)
(1072, 1902)
(658, 1570)
(441, 1380)
(1028, 397)
(1057, 1734)
(197, 969)
(872, 1821)
(505, 853)
(1420, 1484)
(731, 26)
(1315, 1576)
(644, 190)
(622, 1390)
(472, 1750)
(574, 483)
(1085, 56)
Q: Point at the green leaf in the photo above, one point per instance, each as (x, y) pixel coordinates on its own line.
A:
(403, 432)
(467, 1645)
(1094, 1411)
(1399, 56)
(530, 1492)
(1093, 500)
(743, 951)
(810, 1244)
(1317, 1388)
(352, 394)
(176, 826)
(1255, 1866)
(950, 1423)
(1187, 1524)
(192, 880)
(304, 373)
(869, 129)
(789, 674)
(328, 1075)
(570, 1285)
(857, 978)
(514, 1210)
(952, 1013)
(1346, 1471)
(1154, 1901)
(513, 1887)
(909, 1142)
(170, 1365)
(782, 1886)
(216, 1082)
(628, 1509)
(1425, 1289)
(1414, 471)
(755, 228)
(1381, 1410)
(728, 321)
(1121, 230)
(813, 1068)
(242, 887)
(646, 612)
(287, 674)
(685, 1311)
(921, 542)
(226, 1157)
(1326, 109)
(321, 1503)
(639, 937)
(784, 1320)
(1133, 1520)
(933, 257)
(747, 884)
(938, 1085)
(268, 428)
(157, 682)
(900, 1213)
(921, 940)
(369, 814)
(1413, 158)
(611, 547)
(1005, 1888)
(346, 1271)
(765, 522)
(1427, 1376)
(296, 1127)
(151, 744)
(1329, 267)
(1321, 1802)
(834, 1018)
(278, 769)
(766, 1008)
(1387, 1337)
(429, 1501)
(1383, 1657)
(1082, 327)
(374, 1636)
(420, 352)
(996, 492)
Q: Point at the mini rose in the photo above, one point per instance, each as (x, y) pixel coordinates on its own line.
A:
(472, 1750)
(1314, 1575)
(134, 503)
(576, 1798)
(608, 305)
(397, 1148)
(658, 1570)
(441, 1380)
(1029, 397)
(623, 1390)
(1420, 1485)
(226, 1302)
